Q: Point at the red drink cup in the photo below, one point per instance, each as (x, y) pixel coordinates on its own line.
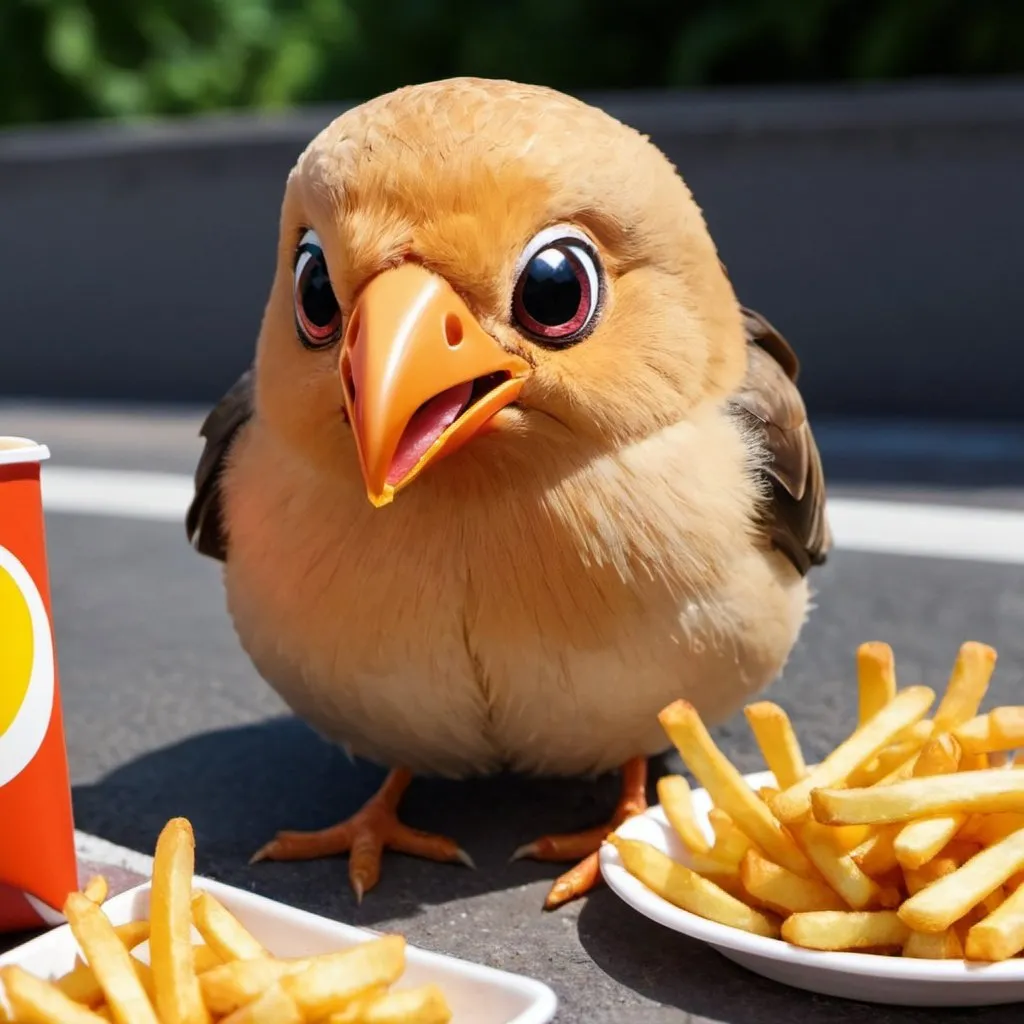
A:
(38, 867)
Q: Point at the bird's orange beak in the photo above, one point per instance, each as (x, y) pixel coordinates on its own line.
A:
(420, 376)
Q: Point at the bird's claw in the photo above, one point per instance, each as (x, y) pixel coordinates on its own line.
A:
(524, 851)
(364, 837)
(576, 882)
(583, 847)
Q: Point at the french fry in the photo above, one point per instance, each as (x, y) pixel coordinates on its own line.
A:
(920, 732)
(934, 945)
(730, 843)
(132, 934)
(974, 762)
(967, 685)
(877, 854)
(111, 963)
(725, 875)
(903, 770)
(205, 958)
(353, 1012)
(178, 996)
(845, 929)
(145, 975)
(1008, 726)
(227, 987)
(779, 890)
(686, 889)
(846, 838)
(728, 789)
(992, 902)
(905, 708)
(96, 889)
(979, 735)
(35, 1001)
(81, 985)
(711, 864)
(923, 797)
(920, 878)
(943, 757)
(893, 761)
(273, 1006)
(423, 1005)
(80, 982)
(327, 983)
(676, 799)
(222, 931)
(920, 840)
(938, 906)
(779, 746)
(876, 679)
(939, 756)
(1000, 935)
(838, 869)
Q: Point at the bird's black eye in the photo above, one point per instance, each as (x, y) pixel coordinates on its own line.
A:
(556, 296)
(317, 315)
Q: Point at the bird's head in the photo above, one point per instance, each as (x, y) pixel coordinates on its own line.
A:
(477, 262)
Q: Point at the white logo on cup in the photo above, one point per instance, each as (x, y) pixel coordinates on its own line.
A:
(22, 739)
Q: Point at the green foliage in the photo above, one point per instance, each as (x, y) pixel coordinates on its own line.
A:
(127, 58)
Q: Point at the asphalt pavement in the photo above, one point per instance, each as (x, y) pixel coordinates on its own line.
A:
(165, 716)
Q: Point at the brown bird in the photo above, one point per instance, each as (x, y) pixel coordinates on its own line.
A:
(498, 314)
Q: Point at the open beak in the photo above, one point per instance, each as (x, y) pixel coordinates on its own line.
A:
(420, 376)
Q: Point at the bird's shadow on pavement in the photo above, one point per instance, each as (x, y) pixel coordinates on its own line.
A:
(239, 786)
(679, 971)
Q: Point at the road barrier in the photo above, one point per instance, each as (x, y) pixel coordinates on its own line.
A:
(880, 228)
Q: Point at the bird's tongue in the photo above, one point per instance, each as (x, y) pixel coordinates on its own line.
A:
(428, 423)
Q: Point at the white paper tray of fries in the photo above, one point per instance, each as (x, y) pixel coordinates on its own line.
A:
(464, 993)
(892, 872)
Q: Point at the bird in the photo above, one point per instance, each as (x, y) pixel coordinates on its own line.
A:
(511, 467)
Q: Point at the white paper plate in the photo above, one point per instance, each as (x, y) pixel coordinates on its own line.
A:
(897, 981)
(476, 994)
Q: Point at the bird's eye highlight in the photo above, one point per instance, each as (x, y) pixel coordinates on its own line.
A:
(556, 295)
(317, 314)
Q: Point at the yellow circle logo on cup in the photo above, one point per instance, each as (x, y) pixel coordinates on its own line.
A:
(26, 668)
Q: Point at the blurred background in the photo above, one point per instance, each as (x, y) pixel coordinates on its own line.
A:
(859, 162)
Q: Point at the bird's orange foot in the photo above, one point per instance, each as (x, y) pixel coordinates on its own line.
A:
(364, 837)
(584, 846)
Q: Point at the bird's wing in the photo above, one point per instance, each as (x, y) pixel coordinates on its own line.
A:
(203, 523)
(794, 519)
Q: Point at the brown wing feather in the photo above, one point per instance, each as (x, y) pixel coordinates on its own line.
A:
(203, 524)
(795, 518)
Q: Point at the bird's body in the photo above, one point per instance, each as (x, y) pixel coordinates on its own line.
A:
(632, 524)
(540, 631)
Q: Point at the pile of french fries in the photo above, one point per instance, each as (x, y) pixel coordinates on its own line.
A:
(228, 977)
(907, 839)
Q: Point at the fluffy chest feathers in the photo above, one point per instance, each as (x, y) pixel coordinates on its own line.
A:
(532, 617)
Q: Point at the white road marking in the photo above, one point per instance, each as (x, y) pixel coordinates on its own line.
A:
(930, 531)
(124, 494)
(887, 527)
(100, 851)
